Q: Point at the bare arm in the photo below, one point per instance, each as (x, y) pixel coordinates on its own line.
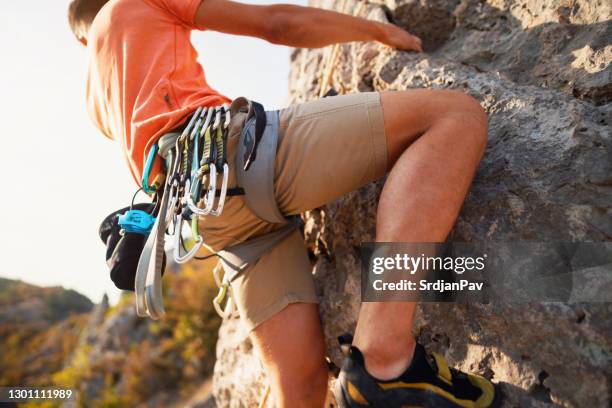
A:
(297, 26)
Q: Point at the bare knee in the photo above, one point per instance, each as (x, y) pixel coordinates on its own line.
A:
(292, 350)
(469, 115)
(306, 383)
(303, 374)
(409, 114)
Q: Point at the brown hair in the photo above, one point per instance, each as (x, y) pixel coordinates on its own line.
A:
(81, 13)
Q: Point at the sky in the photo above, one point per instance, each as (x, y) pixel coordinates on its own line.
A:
(61, 177)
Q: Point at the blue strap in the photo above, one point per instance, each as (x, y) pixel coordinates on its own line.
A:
(147, 170)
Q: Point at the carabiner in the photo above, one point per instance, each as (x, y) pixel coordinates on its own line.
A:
(181, 259)
(147, 170)
(200, 112)
(222, 195)
(221, 160)
(217, 118)
(224, 287)
(195, 185)
(211, 191)
(208, 120)
(196, 148)
(226, 109)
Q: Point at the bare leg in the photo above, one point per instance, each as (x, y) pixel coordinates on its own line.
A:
(291, 347)
(424, 128)
(435, 140)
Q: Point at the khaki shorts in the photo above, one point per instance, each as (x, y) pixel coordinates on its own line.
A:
(326, 148)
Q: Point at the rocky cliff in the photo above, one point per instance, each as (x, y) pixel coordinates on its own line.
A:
(110, 356)
(542, 71)
(122, 360)
(38, 328)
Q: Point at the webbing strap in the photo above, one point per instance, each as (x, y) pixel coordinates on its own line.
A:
(258, 179)
(149, 298)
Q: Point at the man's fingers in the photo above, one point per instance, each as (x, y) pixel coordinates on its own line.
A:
(418, 43)
(413, 44)
(401, 39)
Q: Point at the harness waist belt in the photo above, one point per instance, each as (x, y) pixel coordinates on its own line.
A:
(254, 160)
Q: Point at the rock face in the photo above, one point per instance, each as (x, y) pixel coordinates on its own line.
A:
(542, 71)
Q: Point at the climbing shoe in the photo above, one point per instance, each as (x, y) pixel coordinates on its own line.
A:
(428, 382)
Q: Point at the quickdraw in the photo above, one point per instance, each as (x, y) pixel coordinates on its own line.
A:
(224, 286)
(196, 163)
(197, 160)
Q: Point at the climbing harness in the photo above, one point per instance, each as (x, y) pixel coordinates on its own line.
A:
(195, 183)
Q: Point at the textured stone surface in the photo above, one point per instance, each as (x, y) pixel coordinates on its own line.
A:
(541, 69)
(238, 379)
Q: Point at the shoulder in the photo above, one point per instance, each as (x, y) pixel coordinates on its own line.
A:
(120, 10)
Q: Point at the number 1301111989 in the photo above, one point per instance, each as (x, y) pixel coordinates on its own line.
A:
(23, 394)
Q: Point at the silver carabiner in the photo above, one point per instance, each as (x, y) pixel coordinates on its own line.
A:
(209, 199)
(223, 193)
(217, 118)
(193, 206)
(211, 191)
(194, 118)
(226, 109)
(194, 176)
(181, 259)
(209, 116)
(172, 203)
(200, 112)
(217, 212)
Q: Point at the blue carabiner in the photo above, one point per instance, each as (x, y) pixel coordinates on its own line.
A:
(147, 170)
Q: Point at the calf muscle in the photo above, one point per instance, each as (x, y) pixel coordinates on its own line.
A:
(292, 350)
(435, 141)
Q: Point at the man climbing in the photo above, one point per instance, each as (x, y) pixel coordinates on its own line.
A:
(144, 81)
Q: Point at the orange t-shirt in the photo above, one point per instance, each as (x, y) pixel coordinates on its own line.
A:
(144, 78)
